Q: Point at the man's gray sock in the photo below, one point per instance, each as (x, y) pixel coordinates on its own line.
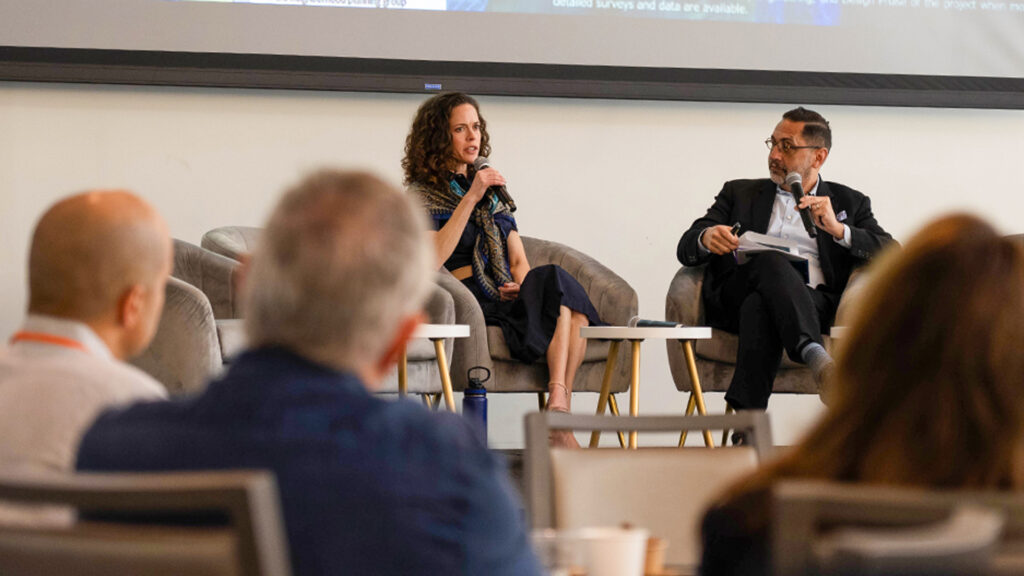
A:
(817, 359)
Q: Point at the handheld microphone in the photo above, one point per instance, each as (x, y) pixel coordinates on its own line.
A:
(501, 192)
(795, 183)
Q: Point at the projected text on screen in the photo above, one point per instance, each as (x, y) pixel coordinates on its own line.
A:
(810, 12)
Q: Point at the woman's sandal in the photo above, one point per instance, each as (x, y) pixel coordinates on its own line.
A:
(562, 438)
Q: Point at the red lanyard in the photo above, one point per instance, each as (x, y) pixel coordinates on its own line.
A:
(48, 339)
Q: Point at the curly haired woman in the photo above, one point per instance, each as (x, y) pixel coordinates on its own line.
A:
(540, 310)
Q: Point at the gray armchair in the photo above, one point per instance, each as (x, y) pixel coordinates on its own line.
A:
(232, 241)
(715, 358)
(199, 328)
(424, 377)
(614, 299)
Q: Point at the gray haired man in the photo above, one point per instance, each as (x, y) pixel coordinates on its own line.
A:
(368, 486)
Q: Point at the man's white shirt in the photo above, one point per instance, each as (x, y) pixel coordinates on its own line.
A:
(51, 392)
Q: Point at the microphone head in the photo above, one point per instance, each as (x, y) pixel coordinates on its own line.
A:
(481, 163)
(791, 178)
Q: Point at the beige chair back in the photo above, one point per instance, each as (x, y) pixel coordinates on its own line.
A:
(665, 490)
(840, 528)
(200, 524)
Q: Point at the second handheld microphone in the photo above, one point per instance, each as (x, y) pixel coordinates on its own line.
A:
(795, 183)
(501, 192)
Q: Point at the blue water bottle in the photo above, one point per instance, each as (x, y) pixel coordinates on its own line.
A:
(474, 398)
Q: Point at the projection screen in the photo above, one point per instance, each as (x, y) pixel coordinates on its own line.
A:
(880, 52)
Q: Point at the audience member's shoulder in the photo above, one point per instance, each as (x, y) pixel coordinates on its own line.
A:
(135, 383)
(90, 376)
(413, 428)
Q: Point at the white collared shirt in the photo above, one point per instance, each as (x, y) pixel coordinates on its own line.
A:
(50, 393)
(785, 223)
(61, 328)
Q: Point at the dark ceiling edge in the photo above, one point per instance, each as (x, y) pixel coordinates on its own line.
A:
(506, 79)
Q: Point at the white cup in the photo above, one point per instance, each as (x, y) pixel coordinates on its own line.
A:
(559, 552)
(613, 551)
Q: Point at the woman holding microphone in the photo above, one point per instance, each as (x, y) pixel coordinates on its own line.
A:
(540, 310)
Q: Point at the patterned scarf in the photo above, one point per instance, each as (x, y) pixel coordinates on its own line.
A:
(490, 263)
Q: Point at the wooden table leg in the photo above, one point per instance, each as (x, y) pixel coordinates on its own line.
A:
(691, 363)
(634, 391)
(446, 378)
(613, 406)
(606, 388)
(403, 373)
(690, 404)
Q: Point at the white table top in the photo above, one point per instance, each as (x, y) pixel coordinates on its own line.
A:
(441, 331)
(627, 333)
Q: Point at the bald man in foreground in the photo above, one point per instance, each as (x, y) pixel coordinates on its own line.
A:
(97, 269)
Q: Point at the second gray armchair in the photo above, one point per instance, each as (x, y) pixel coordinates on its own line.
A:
(715, 359)
(234, 242)
(199, 327)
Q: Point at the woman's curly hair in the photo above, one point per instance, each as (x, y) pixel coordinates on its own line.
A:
(428, 147)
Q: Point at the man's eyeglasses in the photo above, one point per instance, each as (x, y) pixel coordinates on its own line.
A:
(786, 146)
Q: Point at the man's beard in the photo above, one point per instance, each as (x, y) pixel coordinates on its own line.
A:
(777, 172)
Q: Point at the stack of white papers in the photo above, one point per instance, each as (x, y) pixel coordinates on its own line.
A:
(752, 243)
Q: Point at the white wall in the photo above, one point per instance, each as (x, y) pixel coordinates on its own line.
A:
(619, 180)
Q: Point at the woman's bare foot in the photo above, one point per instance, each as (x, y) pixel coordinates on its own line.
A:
(559, 399)
(562, 439)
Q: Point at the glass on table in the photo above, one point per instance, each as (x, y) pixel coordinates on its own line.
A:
(561, 553)
(595, 551)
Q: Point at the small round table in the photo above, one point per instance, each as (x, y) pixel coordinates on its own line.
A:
(436, 333)
(616, 334)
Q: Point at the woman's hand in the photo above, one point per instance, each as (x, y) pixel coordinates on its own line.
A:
(508, 291)
(483, 180)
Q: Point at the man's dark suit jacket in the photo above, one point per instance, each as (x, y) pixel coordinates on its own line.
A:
(750, 203)
(368, 486)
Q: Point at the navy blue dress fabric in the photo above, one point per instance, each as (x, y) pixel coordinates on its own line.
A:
(368, 486)
(528, 322)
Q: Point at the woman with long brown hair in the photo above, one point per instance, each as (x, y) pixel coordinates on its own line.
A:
(927, 389)
(540, 310)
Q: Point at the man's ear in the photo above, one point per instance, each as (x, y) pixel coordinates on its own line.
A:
(394, 350)
(820, 155)
(130, 306)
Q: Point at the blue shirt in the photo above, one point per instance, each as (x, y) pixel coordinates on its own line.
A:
(368, 486)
